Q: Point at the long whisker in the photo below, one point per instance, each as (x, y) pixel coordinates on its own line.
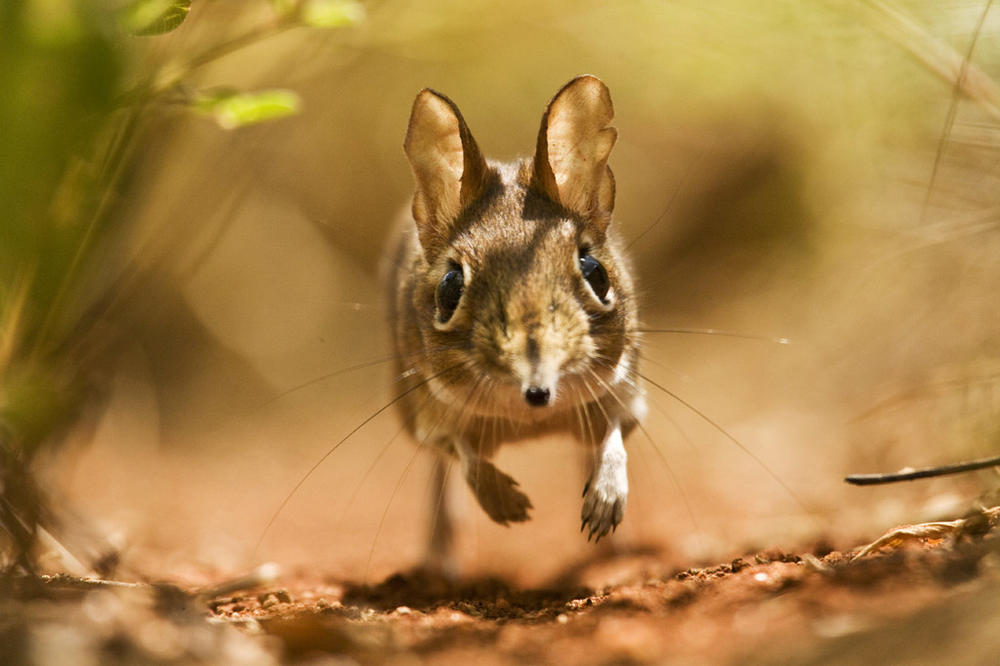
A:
(385, 449)
(482, 437)
(392, 495)
(440, 494)
(406, 470)
(578, 411)
(596, 442)
(594, 396)
(419, 410)
(670, 470)
(673, 198)
(471, 400)
(358, 366)
(610, 365)
(728, 436)
(660, 364)
(336, 446)
(481, 385)
(357, 306)
(330, 375)
(718, 332)
(645, 467)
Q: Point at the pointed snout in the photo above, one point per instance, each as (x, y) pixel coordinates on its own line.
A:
(541, 371)
(535, 350)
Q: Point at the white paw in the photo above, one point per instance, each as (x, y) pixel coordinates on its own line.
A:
(603, 509)
(606, 492)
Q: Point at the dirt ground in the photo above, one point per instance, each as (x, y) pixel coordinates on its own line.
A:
(783, 173)
(911, 601)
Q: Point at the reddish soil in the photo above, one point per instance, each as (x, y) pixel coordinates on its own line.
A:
(917, 603)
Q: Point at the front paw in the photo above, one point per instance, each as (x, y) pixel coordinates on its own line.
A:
(497, 493)
(603, 506)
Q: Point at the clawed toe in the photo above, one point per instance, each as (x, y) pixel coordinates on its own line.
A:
(602, 511)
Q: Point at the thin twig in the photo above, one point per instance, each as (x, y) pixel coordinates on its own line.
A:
(923, 473)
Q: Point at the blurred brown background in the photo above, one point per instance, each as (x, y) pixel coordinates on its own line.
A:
(773, 167)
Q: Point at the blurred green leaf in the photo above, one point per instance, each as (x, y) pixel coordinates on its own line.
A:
(53, 22)
(154, 17)
(232, 109)
(332, 13)
(34, 402)
(60, 76)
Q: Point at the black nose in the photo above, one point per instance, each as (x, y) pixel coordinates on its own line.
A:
(537, 396)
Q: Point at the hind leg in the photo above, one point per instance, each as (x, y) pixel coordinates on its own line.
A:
(497, 493)
(440, 554)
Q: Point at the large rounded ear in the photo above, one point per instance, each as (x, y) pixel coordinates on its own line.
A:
(448, 168)
(575, 140)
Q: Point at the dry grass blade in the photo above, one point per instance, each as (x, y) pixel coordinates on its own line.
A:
(900, 535)
(937, 56)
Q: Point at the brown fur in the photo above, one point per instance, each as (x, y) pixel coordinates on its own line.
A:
(527, 316)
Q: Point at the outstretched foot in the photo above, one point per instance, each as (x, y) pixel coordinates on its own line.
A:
(497, 492)
(606, 492)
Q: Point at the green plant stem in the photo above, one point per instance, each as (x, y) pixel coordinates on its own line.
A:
(138, 98)
(155, 86)
(110, 174)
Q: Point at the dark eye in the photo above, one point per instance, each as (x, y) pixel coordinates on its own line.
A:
(449, 292)
(595, 275)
